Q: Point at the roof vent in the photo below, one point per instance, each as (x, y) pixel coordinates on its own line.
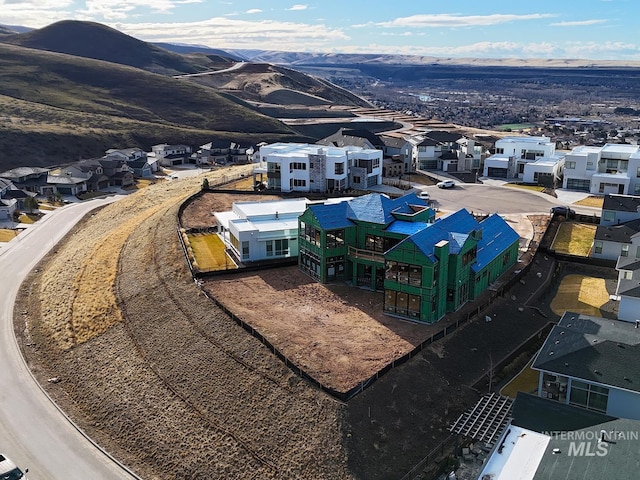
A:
(627, 379)
(597, 372)
(551, 353)
(556, 451)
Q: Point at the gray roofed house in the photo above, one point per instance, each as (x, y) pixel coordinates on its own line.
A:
(612, 241)
(591, 362)
(32, 179)
(628, 289)
(617, 209)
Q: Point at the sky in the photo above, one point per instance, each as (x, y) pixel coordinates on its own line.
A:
(579, 29)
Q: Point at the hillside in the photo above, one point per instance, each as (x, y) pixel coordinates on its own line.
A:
(266, 83)
(56, 108)
(97, 41)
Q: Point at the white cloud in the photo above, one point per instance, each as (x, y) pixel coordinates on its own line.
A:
(298, 7)
(121, 9)
(446, 20)
(35, 13)
(254, 10)
(578, 23)
(221, 32)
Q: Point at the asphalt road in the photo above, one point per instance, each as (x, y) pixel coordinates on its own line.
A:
(33, 432)
(479, 198)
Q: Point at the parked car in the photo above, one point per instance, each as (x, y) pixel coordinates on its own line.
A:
(446, 184)
(9, 471)
(564, 211)
(424, 195)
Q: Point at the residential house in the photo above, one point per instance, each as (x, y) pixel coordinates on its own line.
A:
(171, 155)
(628, 287)
(223, 152)
(612, 168)
(31, 179)
(548, 440)
(439, 150)
(402, 150)
(266, 230)
(425, 267)
(8, 205)
(70, 180)
(512, 154)
(619, 228)
(591, 362)
(290, 167)
(349, 137)
(545, 171)
(136, 160)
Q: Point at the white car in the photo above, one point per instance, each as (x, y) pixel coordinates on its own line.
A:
(446, 184)
(9, 470)
(424, 195)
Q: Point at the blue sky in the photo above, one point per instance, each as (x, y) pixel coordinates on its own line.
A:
(586, 29)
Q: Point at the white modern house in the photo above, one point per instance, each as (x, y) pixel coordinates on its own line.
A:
(512, 154)
(612, 168)
(296, 167)
(545, 171)
(266, 230)
(592, 363)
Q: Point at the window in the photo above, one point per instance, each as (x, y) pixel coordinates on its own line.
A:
(374, 243)
(298, 166)
(339, 168)
(310, 234)
(589, 396)
(403, 273)
(638, 252)
(624, 252)
(245, 250)
(335, 238)
(470, 256)
(590, 166)
(297, 182)
(638, 172)
(609, 216)
(597, 246)
(570, 165)
(356, 179)
(281, 247)
(500, 150)
(402, 303)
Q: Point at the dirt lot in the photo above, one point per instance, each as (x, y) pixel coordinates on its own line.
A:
(171, 386)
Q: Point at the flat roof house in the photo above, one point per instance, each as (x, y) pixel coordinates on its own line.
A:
(297, 167)
(612, 168)
(426, 267)
(266, 230)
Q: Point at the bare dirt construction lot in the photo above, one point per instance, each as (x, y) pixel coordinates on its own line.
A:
(170, 385)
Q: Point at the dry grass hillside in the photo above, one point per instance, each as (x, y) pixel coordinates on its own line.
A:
(157, 375)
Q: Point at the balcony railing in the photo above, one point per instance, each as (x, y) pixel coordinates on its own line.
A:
(363, 254)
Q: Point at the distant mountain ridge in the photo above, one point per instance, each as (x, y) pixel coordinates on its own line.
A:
(97, 41)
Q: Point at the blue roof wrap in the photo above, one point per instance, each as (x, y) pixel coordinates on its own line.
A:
(406, 228)
(426, 239)
(456, 242)
(497, 236)
(378, 208)
(331, 216)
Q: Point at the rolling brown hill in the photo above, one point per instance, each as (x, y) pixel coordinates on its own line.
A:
(97, 41)
(56, 108)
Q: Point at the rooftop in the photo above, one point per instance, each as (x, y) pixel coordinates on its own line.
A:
(621, 203)
(594, 349)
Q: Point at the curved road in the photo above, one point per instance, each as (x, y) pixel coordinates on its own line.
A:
(33, 432)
